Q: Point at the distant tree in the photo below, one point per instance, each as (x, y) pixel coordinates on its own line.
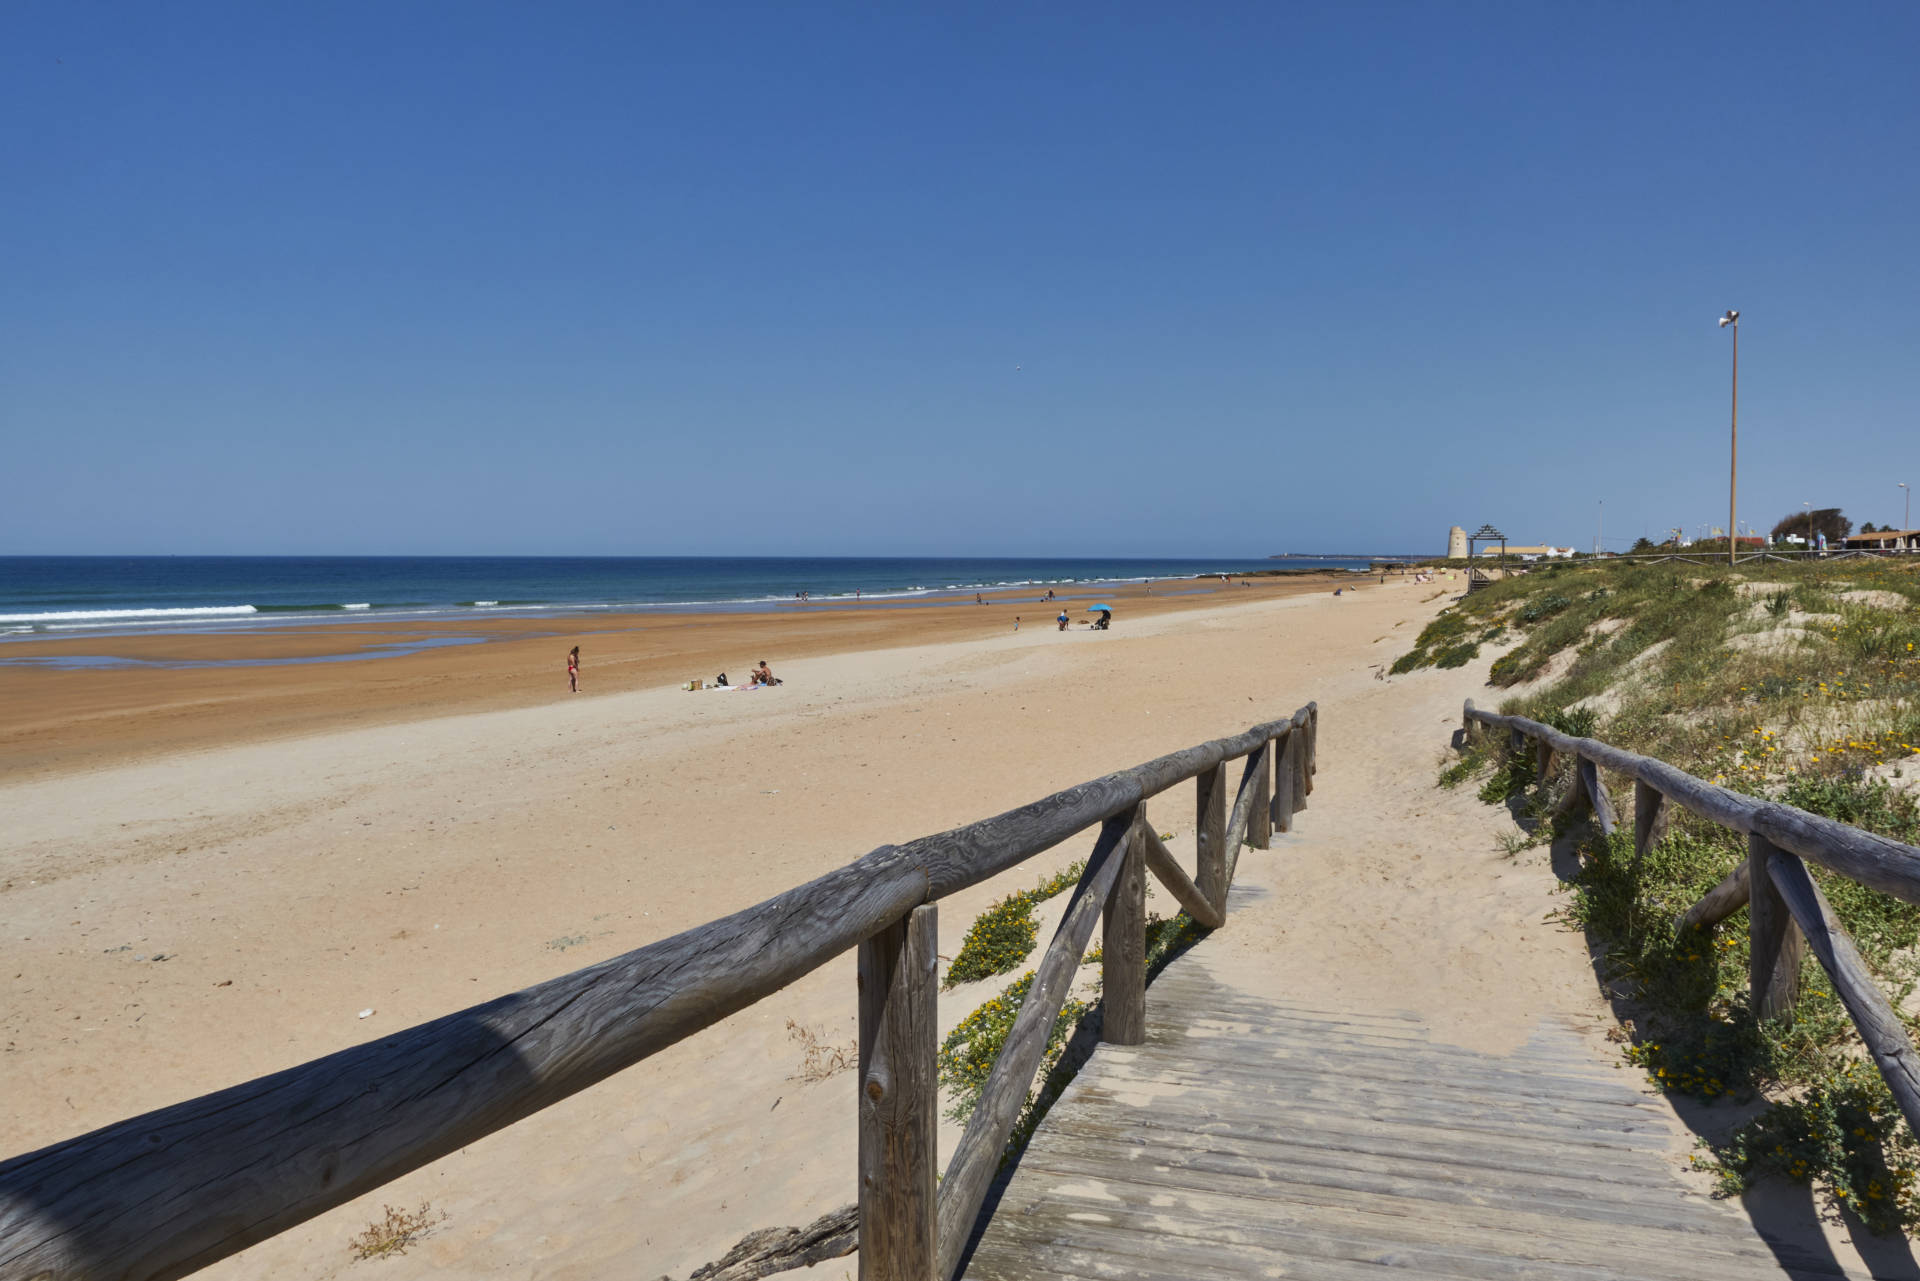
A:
(1642, 545)
(1867, 528)
(1821, 520)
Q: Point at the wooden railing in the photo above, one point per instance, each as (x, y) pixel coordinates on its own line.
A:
(167, 1193)
(1786, 912)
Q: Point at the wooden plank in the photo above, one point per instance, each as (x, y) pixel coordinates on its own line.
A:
(977, 1154)
(1650, 819)
(1774, 940)
(1488, 1163)
(1303, 759)
(899, 1098)
(1595, 1227)
(1880, 1026)
(1464, 1106)
(1574, 801)
(1717, 904)
(1379, 1235)
(1312, 763)
(1123, 945)
(1210, 839)
(1167, 870)
(1199, 1101)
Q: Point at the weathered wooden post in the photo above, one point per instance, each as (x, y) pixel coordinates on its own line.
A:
(1310, 764)
(1542, 761)
(1302, 759)
(1210, 836)
(1774, 938)
(1260, 819)
(1649, 818)
(1123, 945)
(1588, 775)
(1286, 777)
(899, 1098)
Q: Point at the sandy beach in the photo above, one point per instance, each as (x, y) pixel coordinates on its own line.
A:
(271, 682)
(201, 912)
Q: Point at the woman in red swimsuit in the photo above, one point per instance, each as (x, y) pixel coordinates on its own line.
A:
(573, 671)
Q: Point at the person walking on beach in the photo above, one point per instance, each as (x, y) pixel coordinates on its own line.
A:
(573, 670)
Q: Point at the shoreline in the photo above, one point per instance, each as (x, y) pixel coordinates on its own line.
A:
(103, 699)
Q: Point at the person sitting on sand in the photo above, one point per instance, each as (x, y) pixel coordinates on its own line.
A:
(763, 675)
(1062, 620)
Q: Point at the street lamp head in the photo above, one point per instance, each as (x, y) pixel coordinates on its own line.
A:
(1731, 318)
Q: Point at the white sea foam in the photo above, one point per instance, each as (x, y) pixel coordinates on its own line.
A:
(485, 604)
(106, 615)
(362, 605)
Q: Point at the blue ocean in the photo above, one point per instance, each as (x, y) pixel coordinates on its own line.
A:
(47, 595)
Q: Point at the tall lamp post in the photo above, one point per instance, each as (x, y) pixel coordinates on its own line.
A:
(1809, 507)
(1906, 521)
(1733, 476)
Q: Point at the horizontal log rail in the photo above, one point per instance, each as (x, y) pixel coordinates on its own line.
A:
(166, 1193)
(1786, 913)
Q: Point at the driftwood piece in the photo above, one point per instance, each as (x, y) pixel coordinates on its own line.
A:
(1880, 1027)
(1650, 818)
(1209, 840)
(833, 1235)
(899, 1098)
(1123, 946)
(1167, 870)
(977, 1154)
(1717, 904)
(1775, 941)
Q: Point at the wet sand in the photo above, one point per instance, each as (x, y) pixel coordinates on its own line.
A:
(66, 718)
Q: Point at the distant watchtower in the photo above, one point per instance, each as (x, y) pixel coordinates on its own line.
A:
(1456, 543)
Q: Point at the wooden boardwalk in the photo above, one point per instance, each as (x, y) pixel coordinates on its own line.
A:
(1252, 1139)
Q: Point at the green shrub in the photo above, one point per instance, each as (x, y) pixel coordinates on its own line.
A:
(1004, 935)
(966, 1056)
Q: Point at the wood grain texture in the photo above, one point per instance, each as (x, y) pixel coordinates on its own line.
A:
(1246, 1139)
(1880, 1027)
(977, 1154)
(1286, 780)
(1167, 870)
(1774, 939)
(899, 1098)
(1123, 945)
(1260, 814)
(1210, 839)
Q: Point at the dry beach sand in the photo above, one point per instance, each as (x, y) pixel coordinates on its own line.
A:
(420, 866)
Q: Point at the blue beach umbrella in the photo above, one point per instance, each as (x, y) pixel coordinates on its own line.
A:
(1099, 609)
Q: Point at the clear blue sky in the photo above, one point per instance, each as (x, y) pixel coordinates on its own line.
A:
(977, 279)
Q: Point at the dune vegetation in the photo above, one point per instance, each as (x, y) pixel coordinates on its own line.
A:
(1798, 683)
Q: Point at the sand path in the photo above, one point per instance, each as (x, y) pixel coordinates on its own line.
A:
(418, 868)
